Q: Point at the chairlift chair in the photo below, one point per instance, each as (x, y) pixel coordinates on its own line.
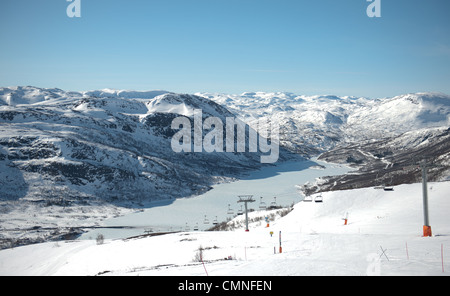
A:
(307, 199)
(318, 199)
(215, 222)
(389, 188)
(196, 227)
(187, 228)
(230, 210)
(240, 212)
(273, 204)
(206, 221)
(262, 205)
(377, 181)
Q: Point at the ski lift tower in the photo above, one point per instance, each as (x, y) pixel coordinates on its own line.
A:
(424, 164)
(246, 199)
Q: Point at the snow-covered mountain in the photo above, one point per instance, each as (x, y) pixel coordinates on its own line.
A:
(63, 149)
(315, 124)
(379, 137)
(107, 144)
(68, 149)
(390, 161)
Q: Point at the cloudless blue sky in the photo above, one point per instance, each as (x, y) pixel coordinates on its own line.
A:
(228, 46)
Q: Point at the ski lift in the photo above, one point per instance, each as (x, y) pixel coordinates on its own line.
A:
(318, 199)
(273, 204)
(206, 221)
(215, 222)
(307, 199)
(389, 188)
(230, 210)
(240, 212)
(196, 227)
(377, 181)
(187, 228)
(262, 205)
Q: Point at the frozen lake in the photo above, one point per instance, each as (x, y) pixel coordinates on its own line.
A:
(279, 181)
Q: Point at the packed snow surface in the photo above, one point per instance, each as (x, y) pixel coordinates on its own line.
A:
(383, 236)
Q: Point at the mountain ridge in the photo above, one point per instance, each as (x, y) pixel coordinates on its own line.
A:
(111, 148)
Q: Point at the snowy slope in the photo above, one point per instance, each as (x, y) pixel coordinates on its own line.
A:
(389, 161)
(314, 242)
(401, 114)
(108, 144)
(314, 124)
(62, 153)
(308, 124)
(70, 150)
(31, 95)
(377, 136)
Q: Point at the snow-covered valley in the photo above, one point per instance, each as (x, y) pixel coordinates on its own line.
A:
(383, 237)
(72, 161)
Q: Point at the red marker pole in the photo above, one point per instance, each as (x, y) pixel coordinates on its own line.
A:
(281, 249)
(201, 259)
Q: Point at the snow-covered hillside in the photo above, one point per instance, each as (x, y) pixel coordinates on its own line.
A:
(71, 150)
(390, 161)
(382, 237)
(379, 137)
(82, 156)
(314, 124)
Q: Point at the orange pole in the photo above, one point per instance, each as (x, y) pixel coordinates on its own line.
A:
(346, 218)
(427, 231)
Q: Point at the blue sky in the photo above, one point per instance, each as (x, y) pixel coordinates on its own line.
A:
(304, 47)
